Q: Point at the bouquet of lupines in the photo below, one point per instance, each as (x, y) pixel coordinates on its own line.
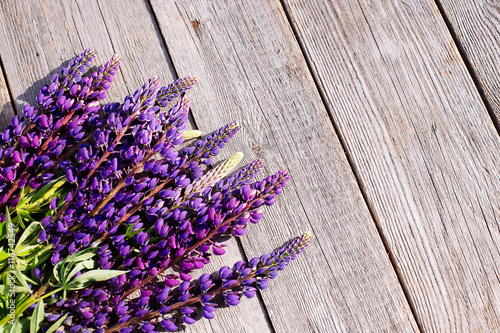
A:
(104, 218)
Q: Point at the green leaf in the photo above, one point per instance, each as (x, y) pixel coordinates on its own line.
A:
(57, 324)
(45, 249)
(20, 220)
(83, 258)
(44, 193)
(29, 230)
(51, 300)
(4, 256)
(89, 277)
(88, 264)
(14, 328)
(24, 214)
(3, 230)
(79, 256)
(25, 250)
(7, 217)
(25, 325)
(129, 233)
(5, 289)
(19, 326)
(22, 278)
(37, 317)
(30, 280)
(21, 298)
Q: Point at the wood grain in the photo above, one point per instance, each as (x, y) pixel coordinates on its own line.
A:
(38, 37)
(476, 25)
(422, 144)
(6, 108)
(250, 69)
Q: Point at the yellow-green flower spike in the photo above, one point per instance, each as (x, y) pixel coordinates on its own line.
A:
(188, 135)
(216, 174)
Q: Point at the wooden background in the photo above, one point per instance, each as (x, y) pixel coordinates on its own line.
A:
(384, 111)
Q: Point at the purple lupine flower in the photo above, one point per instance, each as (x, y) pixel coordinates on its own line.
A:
(141, 214)
(174, 90)
(243, 279)
(45, 136)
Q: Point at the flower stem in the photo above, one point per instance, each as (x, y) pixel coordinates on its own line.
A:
(176, 306)
(190, 249)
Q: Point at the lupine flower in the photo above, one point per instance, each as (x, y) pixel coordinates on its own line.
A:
(115, 205)
(243, 279)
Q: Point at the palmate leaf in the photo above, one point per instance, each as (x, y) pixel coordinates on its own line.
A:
(34, 201)
(41, 256)
(82, 261)
(66, 269)
(32, 227)
(60, 267)
(26, 250)
(46, 193)
(88, 264)
(22, 278)
(19, 326)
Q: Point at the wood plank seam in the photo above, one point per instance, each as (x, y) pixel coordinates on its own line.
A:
(225, 44)
(155, 22)
(468, 65)
(259, 294)
(73, 29)
(9, 90)
(353, 166)
(195, 125)
(303, 29)
(110, 41)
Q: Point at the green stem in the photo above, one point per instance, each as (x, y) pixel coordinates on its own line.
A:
(30, 301)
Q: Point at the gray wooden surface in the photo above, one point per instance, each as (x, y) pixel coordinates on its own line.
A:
(368, 104)
(6, 108)
(40, 37)
(424, 147)
(251, 69)
(476, 25)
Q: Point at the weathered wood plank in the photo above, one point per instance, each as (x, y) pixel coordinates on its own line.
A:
(423, 145)
(476, 25)
(6, 108)
(250, 69)
(37, 38)
(140, 43)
